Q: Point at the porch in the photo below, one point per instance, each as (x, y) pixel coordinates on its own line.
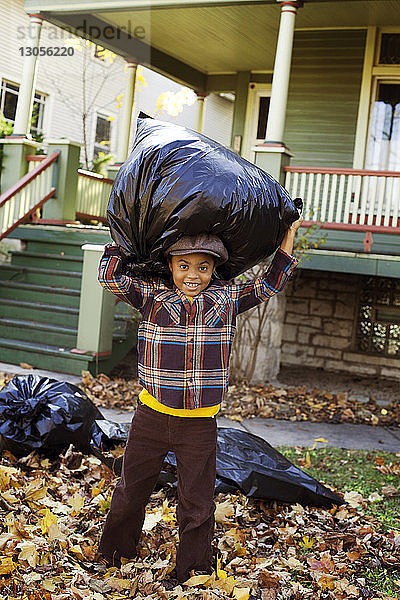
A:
(308, 61)
(357, 211)
(356, 208)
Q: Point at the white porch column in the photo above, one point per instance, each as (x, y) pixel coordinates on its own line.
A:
(280, 81)
(200, 120)
(26, 90)
(127, 106)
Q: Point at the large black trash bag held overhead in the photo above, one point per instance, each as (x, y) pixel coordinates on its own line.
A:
(179, 182)
(245, 463)
(38, 413)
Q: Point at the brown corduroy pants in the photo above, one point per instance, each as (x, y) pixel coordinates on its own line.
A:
(152, 435)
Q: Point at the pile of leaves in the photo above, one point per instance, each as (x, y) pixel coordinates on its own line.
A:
(246, 402)
(299, 404)
(52, 518)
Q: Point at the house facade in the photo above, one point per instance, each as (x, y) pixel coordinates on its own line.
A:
(316, 89)
(79, 87)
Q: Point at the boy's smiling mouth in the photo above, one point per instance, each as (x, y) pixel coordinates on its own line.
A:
(192, 286)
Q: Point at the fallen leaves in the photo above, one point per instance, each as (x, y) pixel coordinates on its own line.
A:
(223, 511)
(113, 393)
(299, 404)
(390, 490)
(354, 499)
(246, 402)
(264, 550)
(54, 513)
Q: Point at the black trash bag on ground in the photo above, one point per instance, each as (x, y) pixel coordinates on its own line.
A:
(245, 463)
(179, 182)
(103, 437)
(259, 471)
(38, 413)
(106, 434)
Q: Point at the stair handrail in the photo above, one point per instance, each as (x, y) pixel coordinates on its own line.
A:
(21, 184)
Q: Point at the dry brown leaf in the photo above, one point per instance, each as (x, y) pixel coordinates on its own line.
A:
(390, 490)
(223, 511)
(269, 594)
(197, 580)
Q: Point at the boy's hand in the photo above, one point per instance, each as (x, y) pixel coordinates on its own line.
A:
(295, 226)
(287, 242)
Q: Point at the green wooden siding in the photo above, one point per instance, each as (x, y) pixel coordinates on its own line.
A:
(323, 97)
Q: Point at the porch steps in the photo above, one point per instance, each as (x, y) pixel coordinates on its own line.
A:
(39, 302)
(40, 293)
(48, 260)
(39, 275)
(38, 311)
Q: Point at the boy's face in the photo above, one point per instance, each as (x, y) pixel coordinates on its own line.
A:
(191, 272)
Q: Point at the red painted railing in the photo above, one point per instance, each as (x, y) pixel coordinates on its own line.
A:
(348, 199)
(27, 195)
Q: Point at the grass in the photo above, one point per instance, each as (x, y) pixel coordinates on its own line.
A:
(354, 470)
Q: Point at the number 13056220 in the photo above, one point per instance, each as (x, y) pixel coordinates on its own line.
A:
(46, 51)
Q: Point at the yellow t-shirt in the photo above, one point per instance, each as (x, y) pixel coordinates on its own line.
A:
(151, 402)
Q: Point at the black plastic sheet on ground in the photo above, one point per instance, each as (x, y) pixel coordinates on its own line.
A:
(38, 413)
(245, 463)
(179, 182)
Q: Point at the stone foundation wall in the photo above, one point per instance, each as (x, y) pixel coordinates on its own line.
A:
(320, 326)
(264, 365)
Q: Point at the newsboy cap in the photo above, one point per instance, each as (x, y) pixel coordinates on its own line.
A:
(203, 242)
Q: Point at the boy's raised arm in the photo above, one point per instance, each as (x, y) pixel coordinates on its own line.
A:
(251, 293)
(111, 276)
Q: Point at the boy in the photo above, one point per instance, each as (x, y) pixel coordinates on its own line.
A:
(184, 345)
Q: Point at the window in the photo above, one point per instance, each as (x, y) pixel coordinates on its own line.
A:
(378, 330)
(383, 145)
(8, 105)
(383, 137)
(389, 53)
(39, 102)
(9, 98)
(263, 110)
(102, 139)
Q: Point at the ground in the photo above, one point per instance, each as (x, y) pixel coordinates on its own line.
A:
(53, 510)
(297, 394)
(383, 391)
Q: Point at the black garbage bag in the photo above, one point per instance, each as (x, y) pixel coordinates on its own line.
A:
(38, 413)
(245, 463)
(259, 471)
(179, 182)
(106, 434)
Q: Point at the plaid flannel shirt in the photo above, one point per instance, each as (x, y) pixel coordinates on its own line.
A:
(184, 348)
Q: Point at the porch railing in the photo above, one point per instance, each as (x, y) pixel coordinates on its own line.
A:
(92, 196)
(34, 160)
(26, 196)
(347, 198)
